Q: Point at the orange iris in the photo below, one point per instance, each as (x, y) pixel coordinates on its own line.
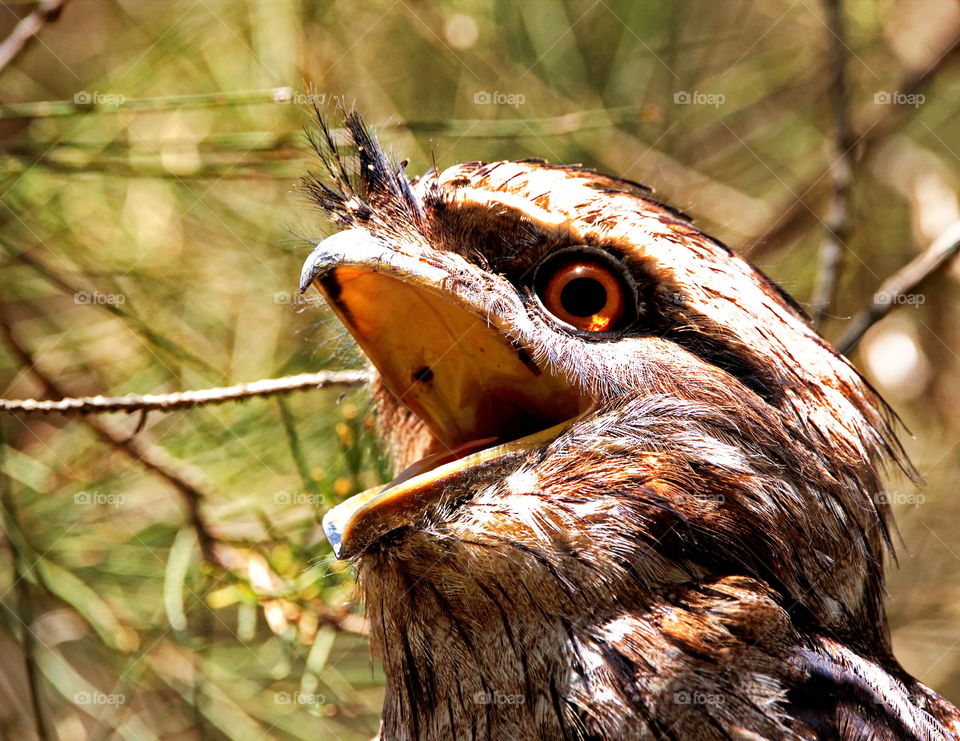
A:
(585, 294)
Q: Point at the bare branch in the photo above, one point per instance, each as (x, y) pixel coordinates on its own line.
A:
(837, 220)
(191, 484)
(902, 283)
(186, 399)
(117, 104)
(794, 216)
(458, 128)
(27, 29)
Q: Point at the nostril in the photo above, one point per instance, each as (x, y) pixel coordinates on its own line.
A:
(423, 375)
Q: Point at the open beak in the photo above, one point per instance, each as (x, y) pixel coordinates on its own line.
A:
(426, 322)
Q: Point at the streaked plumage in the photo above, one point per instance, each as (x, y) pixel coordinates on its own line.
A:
(696, 550)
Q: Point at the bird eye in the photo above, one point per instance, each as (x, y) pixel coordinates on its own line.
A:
(587, 289)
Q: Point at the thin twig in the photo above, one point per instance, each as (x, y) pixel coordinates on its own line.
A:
(114, 102)
(191, 484)
(837, 220)
(296, 449)
(262, 170)
(27, 29)
(807, 198)
(217, 143)
(186, 399)
(459, 128)
(894, 290)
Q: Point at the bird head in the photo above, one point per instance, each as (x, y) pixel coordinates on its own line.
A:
(588, 400)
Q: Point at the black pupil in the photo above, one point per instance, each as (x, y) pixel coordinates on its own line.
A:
(583, 297)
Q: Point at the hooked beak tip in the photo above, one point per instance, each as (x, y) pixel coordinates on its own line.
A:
(310, 268)
(334, 536)
(331, 251)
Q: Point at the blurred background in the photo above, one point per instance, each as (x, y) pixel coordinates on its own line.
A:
(164, 575)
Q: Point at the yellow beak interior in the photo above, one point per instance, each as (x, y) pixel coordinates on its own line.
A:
(463, 377)
(480, 393)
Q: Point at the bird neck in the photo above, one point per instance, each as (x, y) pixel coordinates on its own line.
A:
(460, 657)
(491, 661)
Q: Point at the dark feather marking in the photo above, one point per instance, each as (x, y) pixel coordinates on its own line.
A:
(454, 619)
(847, 691)
(416, 693)
(504, 618)
(623, 670)
(745, 368)
(577, 664)
(542, 560)
(558, 709)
